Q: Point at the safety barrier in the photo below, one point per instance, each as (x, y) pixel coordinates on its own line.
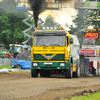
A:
(5, 62)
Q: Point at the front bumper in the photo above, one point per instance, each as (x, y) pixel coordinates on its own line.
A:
(50, 65)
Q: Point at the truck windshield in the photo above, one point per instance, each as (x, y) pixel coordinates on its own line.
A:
(49, 40)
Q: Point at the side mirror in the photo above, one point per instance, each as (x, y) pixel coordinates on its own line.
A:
(71, 40)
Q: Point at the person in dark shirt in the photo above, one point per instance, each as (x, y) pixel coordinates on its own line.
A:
(93, 71)
(90, 70)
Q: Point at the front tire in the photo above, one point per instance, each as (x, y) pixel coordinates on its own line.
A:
(69, 72)
(34, 73)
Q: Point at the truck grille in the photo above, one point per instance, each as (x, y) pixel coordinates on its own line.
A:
(58, 57)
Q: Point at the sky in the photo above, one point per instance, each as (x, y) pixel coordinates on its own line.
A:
(61, 16)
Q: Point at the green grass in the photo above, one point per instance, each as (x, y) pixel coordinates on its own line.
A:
(8, 67)
(94, 96)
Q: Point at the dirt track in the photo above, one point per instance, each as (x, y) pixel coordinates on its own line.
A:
(20, 86)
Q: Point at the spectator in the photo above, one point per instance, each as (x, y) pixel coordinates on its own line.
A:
(93, 71)
(90, 70)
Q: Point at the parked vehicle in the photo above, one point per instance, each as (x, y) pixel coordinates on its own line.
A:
(15, 49)
(23, 60)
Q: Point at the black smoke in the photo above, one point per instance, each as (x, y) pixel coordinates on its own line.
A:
(36, 7)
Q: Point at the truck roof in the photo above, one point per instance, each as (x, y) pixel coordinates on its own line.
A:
(55, 33)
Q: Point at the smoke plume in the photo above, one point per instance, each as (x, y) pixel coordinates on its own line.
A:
(37, 6)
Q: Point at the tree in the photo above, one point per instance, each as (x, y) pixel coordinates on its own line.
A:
(50, 22)
(81, 22)
(84, 19)
(94, 18)
(11, 25)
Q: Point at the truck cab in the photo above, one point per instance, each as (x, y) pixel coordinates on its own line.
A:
(52, 53)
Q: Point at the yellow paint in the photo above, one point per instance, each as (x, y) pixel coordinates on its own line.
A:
(47, 61)
(92, 30)
(32, 53)
(70, 50)
(48, 50)
(74, 67)
(66, 55)
(49, 58)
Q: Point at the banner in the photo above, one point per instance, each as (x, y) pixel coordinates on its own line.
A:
(87, 52)
(88, 46)
(87, 4)
(91, 35)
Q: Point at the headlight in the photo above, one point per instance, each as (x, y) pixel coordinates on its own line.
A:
(62, 64)
(35, 64)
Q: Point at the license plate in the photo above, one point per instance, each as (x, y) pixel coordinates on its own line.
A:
(47, 63)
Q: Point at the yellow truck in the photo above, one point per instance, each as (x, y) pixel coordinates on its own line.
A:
(53, 52)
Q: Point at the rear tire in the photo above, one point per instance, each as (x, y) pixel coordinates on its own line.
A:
(69, 72)
(34, 73)
(77, 73)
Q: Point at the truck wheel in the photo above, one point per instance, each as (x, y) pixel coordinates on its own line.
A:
(69, 72)
(18, 67)
(34, 72)
(77, 73)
